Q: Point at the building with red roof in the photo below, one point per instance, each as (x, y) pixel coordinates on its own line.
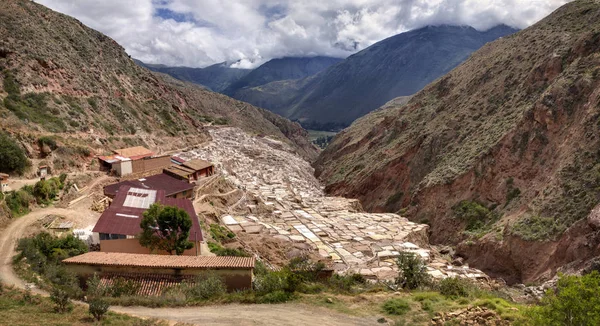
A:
(119, 225)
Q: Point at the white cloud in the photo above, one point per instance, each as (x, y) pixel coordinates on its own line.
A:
(202, 32)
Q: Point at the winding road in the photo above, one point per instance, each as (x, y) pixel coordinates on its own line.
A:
(232, 314)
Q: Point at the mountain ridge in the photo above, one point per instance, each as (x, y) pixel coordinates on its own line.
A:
(498, 156)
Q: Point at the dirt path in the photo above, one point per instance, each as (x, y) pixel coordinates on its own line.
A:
(11, 234)
(234, 314)
(237, 314)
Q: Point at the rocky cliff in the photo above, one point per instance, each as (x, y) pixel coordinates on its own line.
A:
(501, 156)
(61, 78)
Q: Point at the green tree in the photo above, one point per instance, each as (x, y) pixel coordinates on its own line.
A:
(12, 156)
(574, 302)
(412, 271)
(166, 228)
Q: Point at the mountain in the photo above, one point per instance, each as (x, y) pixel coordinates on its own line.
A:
(397, 66)
(287, 68)
(62, 79)
(217, 77)
(501, 156)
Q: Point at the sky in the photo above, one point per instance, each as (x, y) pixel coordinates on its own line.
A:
(246, 33)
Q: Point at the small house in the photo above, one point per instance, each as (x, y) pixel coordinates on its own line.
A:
(119, 226)
(237, 272)
(4, 182)
(133, 160)
(191, 170)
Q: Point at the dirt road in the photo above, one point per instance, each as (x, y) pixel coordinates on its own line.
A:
(246, 315)
(10, 236)
(234, 314)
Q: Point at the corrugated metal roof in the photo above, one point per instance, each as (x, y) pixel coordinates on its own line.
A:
(197, 164)
(161, 181)
(180, 171)
(98, 258)
(124, 220)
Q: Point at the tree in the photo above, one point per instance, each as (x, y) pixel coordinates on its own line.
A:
(12, 156)
(575, 301)
(412, 271)
(166, 228)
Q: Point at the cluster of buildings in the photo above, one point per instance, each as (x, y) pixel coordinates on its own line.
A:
(117, 229)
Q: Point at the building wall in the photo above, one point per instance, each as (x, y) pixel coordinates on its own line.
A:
(234, 279)
(132, 246)
(152, 163)
(122, 167)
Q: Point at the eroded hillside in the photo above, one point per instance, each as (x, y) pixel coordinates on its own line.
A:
(500, 156)
(59, 77)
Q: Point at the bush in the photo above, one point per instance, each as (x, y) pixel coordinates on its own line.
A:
(123, 287)
(454, 287)
(220, 233)
(275, 297)
(219, 250)
(475, 215)
(207, 288)
(44, 253)
(18, 202)
(98, 307)
(12, 156)
(48, 141)
(396, 307)
(270, 282)
(536, 228)
(61, 299)
(412, 272)
(574, 302)
(344, 283)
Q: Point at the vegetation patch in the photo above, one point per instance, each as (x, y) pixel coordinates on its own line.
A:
(396, 307)
(536, 228)
(12, 156)
(476, 216)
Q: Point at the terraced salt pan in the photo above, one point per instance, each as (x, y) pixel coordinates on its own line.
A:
(335, 227)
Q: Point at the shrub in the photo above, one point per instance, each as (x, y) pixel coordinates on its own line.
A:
(207, 288)
(475, 215)
(412, 272)
(61, 299)
(454, 287)
(344, 283)
(18, 202)
(12, 156)
(270, 282)
(123, 287)
(98, 307)
(221, 233)
(219, 250)
(536, 228)
(275, 297)
(396, 307)
(46, 190)
(48, 141)
(94, 287)
(574, 302)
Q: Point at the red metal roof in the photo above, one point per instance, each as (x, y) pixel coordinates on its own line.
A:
(99, 258)
(161, 181)
(125, 220)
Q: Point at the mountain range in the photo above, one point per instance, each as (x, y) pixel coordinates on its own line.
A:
(501, 156)
(326, 93)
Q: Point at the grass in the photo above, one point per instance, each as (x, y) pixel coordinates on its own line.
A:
(17, 309)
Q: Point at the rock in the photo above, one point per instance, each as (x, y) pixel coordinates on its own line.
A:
(594, 218)
(458, 261)
(329, 300)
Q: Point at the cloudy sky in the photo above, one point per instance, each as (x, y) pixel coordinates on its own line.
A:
(198, 33)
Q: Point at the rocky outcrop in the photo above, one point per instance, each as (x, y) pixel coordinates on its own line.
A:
(513, 131)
